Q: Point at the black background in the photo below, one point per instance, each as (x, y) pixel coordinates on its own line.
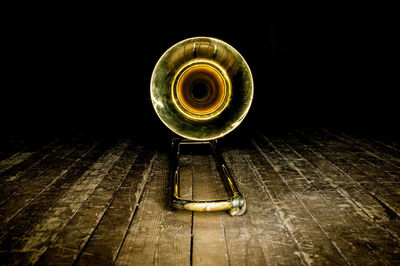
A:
(325, 67)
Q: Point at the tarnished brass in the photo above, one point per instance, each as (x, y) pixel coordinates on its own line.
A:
(202, 89)
(235, 203)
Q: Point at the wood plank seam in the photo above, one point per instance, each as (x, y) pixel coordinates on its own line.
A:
(377, 148)
(91, 233)
(17, 176)
(351, 141)
(370, 168)
(366, 174)
(192, 220)
(300, 201)
(145, 178)
(56, 149)
(31, 165)
(300, 253)
(159, 233)
(344, 193)
(216, 175)
(289, 162)
(45, 188)
(277, 210)
(385, 144)
(104, 214)
(24, 149)
(14, 160)
(32, 243)
(251, 219)
(104, 245)
(208, 226)
(20, 145)
(17, 235)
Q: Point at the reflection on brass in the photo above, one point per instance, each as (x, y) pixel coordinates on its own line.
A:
(235, 203)
(212, 206)
(201, 89)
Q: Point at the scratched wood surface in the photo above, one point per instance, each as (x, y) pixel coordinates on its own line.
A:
(314, 196)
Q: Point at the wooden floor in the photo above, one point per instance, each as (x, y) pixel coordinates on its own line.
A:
(314, 196)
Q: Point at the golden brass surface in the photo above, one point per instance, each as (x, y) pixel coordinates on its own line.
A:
(235, 204)
(212, 206)
(201, 88)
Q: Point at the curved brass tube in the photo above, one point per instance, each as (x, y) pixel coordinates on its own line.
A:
(201, 89)
(235, 203)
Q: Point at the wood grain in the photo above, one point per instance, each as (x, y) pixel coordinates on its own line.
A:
(106, 241)
(76, 233)
(158, 234)
(341, 208)
(208, 227)
(314, 196)
(260, 236)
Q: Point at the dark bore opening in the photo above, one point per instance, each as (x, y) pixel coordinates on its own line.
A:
(199, 91)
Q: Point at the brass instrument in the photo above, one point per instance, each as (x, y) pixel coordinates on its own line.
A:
(202, 89)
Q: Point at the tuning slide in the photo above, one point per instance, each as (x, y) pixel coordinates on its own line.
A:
(235, 204)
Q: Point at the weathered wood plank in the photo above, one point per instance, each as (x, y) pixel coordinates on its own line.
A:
(259, 236)
(329, 167)
(384, 158)
(383, 170)
(15, 178)
(14, 184)
(158, 233)
(103, 246)
(14, 160)
(378, 183)
(384, 142)
(387, 143)
(312, 198)
(383, 149)
(14, 172)
(186, 174)
(77, 232)
(28, 155)
(363, 230)
(46, 231)
(33, 228)
(13, 147)
(20, 194)
(391, 140)
(22, 223)
(10, 146)
(383, 154)
(209, 244)
(290, 195)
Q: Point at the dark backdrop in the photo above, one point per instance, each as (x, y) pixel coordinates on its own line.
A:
(324, 67)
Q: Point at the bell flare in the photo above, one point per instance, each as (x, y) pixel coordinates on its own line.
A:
(201, 88)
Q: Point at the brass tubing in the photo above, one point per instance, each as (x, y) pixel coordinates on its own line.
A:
(201, 88)
(235, 204)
